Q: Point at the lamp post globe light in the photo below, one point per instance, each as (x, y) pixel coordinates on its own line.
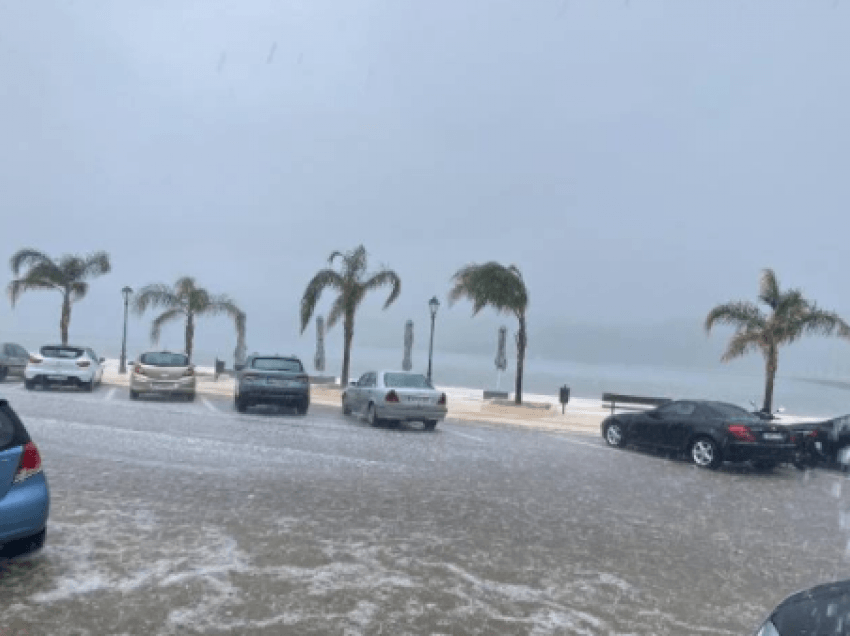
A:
(433, 305)
(122, 368)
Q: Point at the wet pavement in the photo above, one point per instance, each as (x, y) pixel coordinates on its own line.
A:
(183, 518)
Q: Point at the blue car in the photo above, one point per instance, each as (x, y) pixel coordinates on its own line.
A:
(24, 495)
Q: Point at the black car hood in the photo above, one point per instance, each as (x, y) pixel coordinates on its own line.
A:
(819, 610)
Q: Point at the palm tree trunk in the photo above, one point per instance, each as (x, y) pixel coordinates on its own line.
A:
(770, 375)
(520, 358)
(190, 334)
(348, 329)
(65, 321)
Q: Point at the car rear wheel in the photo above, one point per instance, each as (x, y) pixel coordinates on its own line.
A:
(303, 407)
(705, 453)
(4, 371)
(345, 409)
(614, 435)
(430, 425)
(241, 406)
(190, 397)
(372, 417)
(29, 385)
(134, 395)
(88, 387)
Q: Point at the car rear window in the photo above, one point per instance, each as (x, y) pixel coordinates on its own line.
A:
(61, 352)
(277, 364)
(730, 411)
(406, 381)
(12, 431)
(160, 359)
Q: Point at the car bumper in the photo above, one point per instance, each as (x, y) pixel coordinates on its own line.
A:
(274, 394)
(185, 386)
(746, 452)
(71, 377)
(24, 509)
(409, 414)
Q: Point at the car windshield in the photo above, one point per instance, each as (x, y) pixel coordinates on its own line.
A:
(407, 381)
(162, 359)
(61, 352)
(277, 364)
(730, 411)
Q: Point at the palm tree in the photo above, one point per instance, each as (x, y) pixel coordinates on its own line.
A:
(791, 317)
(351, 284)
(186, 301)
(67, 276)
(501, 288)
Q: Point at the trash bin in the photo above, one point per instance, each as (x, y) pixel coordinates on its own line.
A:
(564, 397)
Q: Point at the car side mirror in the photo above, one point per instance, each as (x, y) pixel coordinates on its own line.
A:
(102, 360)
(238, 367)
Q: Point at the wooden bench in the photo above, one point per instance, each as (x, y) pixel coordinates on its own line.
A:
(612, 399)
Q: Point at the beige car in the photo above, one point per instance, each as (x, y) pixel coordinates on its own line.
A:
(163, 373)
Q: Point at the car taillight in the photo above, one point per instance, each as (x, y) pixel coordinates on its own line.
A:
(189, 371)
(812, 433)
(392, 396)
(36, 360)
(138, 369)
(442, 400)
(83, 363)
(741, 432)
(30, 463)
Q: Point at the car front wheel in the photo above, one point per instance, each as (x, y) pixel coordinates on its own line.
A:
(705, 453)
(614, 435)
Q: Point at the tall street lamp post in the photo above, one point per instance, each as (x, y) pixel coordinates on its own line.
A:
(433, 305)
(123, 365)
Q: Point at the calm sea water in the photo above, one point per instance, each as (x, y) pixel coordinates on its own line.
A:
(542, 376)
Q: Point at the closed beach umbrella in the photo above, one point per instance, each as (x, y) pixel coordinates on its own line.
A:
(239, 354)
(319, 360)
(501, 354)
(407, 362)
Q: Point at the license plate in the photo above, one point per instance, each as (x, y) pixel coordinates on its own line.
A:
(163, 385)
(773, 437)
(278, 382)
(56, 377)
(419, 400)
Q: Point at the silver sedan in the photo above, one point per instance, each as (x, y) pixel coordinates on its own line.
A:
(394, 396)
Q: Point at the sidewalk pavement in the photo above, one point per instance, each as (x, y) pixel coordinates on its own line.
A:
(582, 416)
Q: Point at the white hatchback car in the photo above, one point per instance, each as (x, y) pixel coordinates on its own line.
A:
(64, 365)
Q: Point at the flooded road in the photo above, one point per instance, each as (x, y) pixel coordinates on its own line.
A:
(179, 518)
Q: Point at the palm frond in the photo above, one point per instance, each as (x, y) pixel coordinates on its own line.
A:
(382, 278)
(78, 290)
(184, 287)
(71, 266)
(739, 314)
(96, 264)
(769, 292)
(48, 273)
(490, 284)
(156, 295)
(824, 323)
(336, 312)
(167, 316)
(742, 343)
(28, 257)
(217, 305)
(199, 300)
(21, 285)
(324, 279)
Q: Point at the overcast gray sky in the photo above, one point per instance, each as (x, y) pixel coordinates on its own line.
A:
(639, 161)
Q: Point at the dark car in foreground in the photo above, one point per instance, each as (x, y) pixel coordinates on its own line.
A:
(708, 432)
(819, 611)
(24, 495)
(272, 379)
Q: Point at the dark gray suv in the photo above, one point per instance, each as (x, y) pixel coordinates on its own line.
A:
(272, 379)
(13, 359)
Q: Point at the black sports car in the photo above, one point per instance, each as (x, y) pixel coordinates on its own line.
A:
(709, 432)
(824, 609)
